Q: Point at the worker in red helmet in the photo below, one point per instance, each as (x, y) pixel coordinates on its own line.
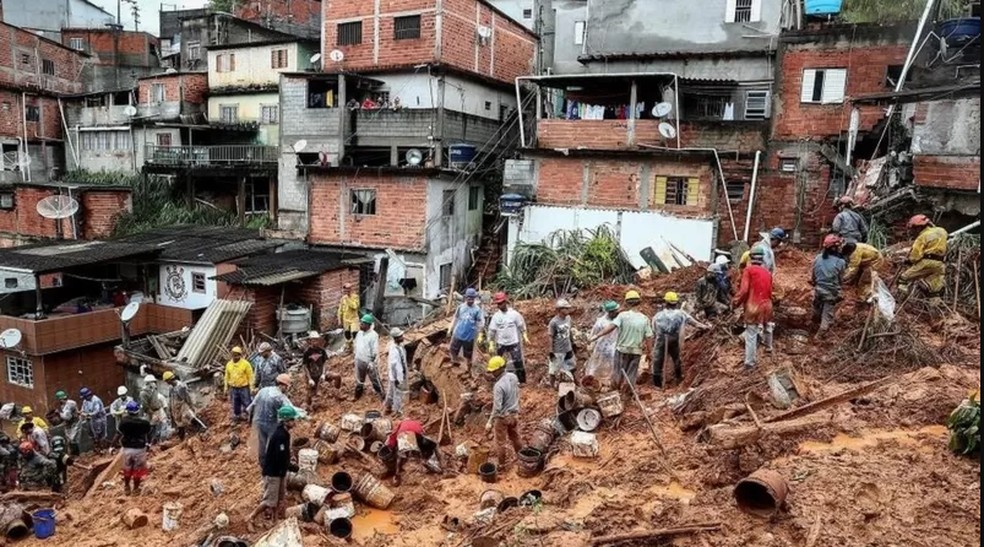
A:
(507, 331)
(926, 258)
(37, 471)
(849, 224)
(828, 270)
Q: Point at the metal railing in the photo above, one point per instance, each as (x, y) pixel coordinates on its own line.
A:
(202, 156)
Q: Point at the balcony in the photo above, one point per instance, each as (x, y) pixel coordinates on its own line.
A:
(172, 111)
(226, 155)
(614, 134)
(415, 127)
(93, 116)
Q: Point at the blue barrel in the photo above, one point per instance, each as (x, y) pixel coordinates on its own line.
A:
(460, 155)
(44, 523)
(823, 7)
(511, 204)
(960, 31)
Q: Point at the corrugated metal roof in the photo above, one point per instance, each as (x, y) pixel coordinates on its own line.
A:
(55, 256)
(274, 268)
(213, 332)
(204, 244)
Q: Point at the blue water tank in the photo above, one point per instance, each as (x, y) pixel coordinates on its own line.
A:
(461, 156)
(958, 32)
(511, 204)
(823, 7)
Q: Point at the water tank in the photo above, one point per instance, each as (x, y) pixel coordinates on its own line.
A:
(511, 204)
(823, 7)
(958, 32)
(294, 320)
(461, 156)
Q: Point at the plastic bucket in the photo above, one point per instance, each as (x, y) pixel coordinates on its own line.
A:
(341, 482)
(506, 504)
(315, 494)
(406, 443)
(588, 419)
(307, 459)
(373, 492)
(530, 498)
(172, 516)
(44, 523)
(340, 528)
(490, 498)
(386, 454)
(529, 462)
(327, 432)
(489, 472)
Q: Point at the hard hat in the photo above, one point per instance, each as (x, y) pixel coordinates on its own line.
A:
(713, 268)
(756, 251)
(495, 364)
(845, 200)
(471, 293)
(313, 334)
(632, 295)
(265, 346)
(121, 391)
(133, 407)
(27, 410)
(500, 297)
(918, 221)
(61, 395)
(610, 305)
(85, 393)
(347, 286)
(287, 413)
(396, 332)
(26, 447)
(778, 233)
(831, 241)
(722, 260)
(671, 297)
(168, 375)
(236, 350)
(149, 378)
(283, 379)
(368, 319)
(563, 304)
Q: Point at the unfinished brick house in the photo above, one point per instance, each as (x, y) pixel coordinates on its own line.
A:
(116, 58)
(99, 208)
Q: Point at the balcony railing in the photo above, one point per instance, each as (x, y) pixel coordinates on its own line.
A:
(210, 156)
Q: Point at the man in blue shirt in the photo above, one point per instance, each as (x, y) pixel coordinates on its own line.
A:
(468, 323)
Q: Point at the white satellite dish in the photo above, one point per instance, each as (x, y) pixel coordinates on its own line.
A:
(55, 207)
(414, 156)
(315, 58)
(10, 338)
(667, 130)
(171, 71)
(662, 109)
(300, 145)
(336, 55)
(129, 312)
(130, 110)
(484, 32)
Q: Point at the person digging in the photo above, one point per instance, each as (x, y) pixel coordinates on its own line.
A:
(179, 404)
(503, 421)
(276, 464)
(397, 458)
(669, 326)
(315, 364)
(366, 350)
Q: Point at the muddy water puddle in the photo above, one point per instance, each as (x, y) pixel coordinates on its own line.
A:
(370, 522)
(874, 438)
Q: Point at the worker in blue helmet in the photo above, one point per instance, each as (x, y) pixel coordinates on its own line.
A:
(94, 411)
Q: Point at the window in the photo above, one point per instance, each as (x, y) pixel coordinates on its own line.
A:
(106, 140)
(527, 14)
(447, 203)
(363, 202)
(10, 283)
(743, 11)
(198, 282)
(704, 106)
(579, 29)
(48, 67)
(406, 28)
(823, 86)
(474, 198)
(157, 93)
(278, 58)
(225, 62)
(163, 139)
(194, 50)
(488, 105)
(76, 43)
(676, 191)
(258, 198)
(892, 75)
(736, 190)
(349, 34)
(32, 113)
(20, 372)
(756, 105)
(25, 59)
(444, 276)
(270, 114)
(788, 165)
(7, 200)
(321, 94)
(229, 113)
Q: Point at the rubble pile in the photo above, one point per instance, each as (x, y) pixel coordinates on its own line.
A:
(854, 445)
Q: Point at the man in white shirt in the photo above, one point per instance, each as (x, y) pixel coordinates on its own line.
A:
(396, 383)
(366, 349)
(506, 330)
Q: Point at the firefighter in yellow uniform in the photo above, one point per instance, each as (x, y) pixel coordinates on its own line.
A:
(348, 312)
(862, 260)
(926, 259)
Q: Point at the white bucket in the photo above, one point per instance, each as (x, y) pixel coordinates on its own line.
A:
(610, 404)
(313, 493)
(307, 459)
(172, 514)
(584, 445)
(352, 422)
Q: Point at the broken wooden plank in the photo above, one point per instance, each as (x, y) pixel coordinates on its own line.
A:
(728, 436)
(656, 534)
(106, 470)
(162, 352)
(830, 401)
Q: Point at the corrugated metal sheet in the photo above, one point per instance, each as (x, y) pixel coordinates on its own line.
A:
(213, 332)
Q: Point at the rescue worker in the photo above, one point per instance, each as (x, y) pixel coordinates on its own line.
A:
(725, 291)
(152, 407)
(117, 409)
(8, 463)
(507, 329)
(706, 292)
(68, 413)
(315, 364)
(635, 334)
(348, 313)
(135, 438)
(59, 454)
(276, 464)
(239, 381)
(862, 260)
(561, 329)
(366, 350)
(828, 269)
(27, 415)
(669, 325)
(755, 294)
(180, 405)
(36, 436)
(268, 364)
(601, 364)
(263, 412)
(768, 244)
(467, 326)
(926, 258)
(37, 471)
(94, 411)
(849, 224)
(398, 459)
(396, 382)
(505, 409)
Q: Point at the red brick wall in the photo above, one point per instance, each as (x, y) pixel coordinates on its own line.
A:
(98, 213)
(15, 43)
(297, 12)
(98, 368)
(507, 54)
(322, 293)
(866, 70)
(101, 209)
(190, 87)
(12, 116)
(613, 134)
(949, 172)
(134, 47)
(401, 211)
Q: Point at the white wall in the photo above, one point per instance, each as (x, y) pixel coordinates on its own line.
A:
(449, 238)
(636, 229)
(54, 15)
(421, 90)
(253, 65)
(177, 289)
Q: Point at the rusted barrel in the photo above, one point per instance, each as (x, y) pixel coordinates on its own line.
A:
(543, 436)
(327, 432)
(373, 493)
(340, 528)
(529, 462)
(377, 430)
(489, 472)
(341, 482)
(762, 493)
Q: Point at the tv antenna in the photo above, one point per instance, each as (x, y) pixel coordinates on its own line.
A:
(667, 130)
(314, 61)
(130, 111)
(57, 207)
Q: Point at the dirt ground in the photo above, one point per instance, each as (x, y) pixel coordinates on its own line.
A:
(874, 471)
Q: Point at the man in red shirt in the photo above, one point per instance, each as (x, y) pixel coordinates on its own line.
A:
(755, 294)
(425, 448)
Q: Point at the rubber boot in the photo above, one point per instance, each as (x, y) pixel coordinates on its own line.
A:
(359, 390)
(127, 489)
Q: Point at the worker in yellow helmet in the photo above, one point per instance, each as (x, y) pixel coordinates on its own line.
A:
(27, 414)
(238, 383)
(505, 408)
(669, 325)
(926, 258)
(862, 260)
(634, 332)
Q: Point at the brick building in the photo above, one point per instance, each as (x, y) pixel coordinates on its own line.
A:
(116, 58)
(296, 17)
(99, 208)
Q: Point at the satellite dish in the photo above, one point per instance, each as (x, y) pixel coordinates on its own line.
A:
(315, 58)
(10, 338)
(485, 32)
(662, 109)
(414, 156)
(130, 110)
(171, 71)
(300, 145)
(129, 312)
(667, 130)
(55, 207)
(336, 55)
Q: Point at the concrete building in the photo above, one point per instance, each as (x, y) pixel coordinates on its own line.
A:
(295, 17)
(99, 208)
(185, 36)
(116, 58)
(49, 17)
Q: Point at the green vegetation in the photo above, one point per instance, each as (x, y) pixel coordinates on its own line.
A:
(222, 5)
(964, 425)
(896, 11)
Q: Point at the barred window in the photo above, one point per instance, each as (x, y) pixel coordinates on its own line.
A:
(20, 372)
(349, 34)
(406, 28)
